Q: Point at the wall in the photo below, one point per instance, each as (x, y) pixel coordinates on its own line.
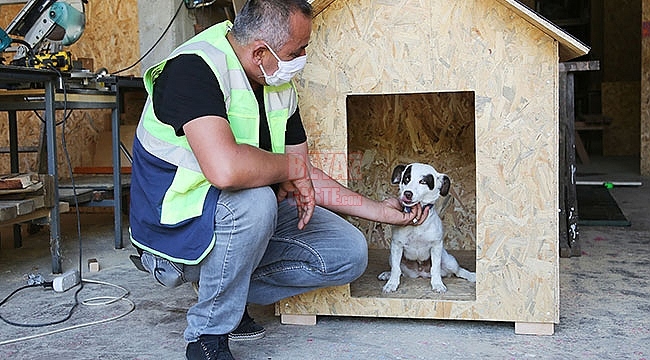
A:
(152, 27)
(645, 90)
(621, 64)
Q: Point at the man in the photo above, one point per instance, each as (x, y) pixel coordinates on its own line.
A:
(223, 191)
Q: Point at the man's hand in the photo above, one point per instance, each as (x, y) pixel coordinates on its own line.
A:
(302, 192)
(393, 213)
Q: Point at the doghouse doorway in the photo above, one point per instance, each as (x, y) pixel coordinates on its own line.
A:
(435, 128)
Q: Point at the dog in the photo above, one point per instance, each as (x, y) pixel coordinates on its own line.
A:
(418, 251)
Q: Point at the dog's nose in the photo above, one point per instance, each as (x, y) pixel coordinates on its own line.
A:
(408, 195)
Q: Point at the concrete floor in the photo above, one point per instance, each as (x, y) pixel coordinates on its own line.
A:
(604, 305)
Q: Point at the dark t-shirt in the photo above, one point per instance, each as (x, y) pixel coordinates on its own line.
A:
(187, 89)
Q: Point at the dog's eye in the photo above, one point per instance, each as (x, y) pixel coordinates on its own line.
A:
(423, 182)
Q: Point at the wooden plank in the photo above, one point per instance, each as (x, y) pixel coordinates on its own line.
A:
(579, 66)
(8, 213)
(89, 170)
(38, 200)
(22, 206)
(16, 181)
(37, 214)
(83, 195)
(298, 319)
(31, 188)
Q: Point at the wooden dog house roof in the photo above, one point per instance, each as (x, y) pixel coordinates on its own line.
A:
(569, 46)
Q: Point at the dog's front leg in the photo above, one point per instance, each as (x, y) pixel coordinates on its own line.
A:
(396, 252)
(436, 261)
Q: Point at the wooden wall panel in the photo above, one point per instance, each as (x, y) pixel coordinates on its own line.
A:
(621, 102)
(645, 90)
(111, 40)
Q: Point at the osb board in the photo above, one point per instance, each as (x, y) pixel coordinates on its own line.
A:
(103, 151)
(621, 59)
(433, 128)
(82, 128)
(645, 90)
(110, 45)
(620, 101)
(109, 37)
(380, 47)
(369, 286)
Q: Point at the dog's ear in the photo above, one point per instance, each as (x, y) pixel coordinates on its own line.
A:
(397, 174)
(446, 184)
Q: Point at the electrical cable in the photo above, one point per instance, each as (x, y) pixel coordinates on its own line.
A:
(87, 302)
(156, 43)
(67, 317)
(95, 301)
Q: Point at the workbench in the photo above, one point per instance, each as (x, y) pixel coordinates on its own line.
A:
(50, 97)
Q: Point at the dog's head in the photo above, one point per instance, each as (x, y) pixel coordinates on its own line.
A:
(419, 183)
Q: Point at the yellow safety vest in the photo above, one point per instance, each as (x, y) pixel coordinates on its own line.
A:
(185, 197)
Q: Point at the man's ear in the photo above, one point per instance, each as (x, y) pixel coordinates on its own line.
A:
(397, 174)
(259, 49)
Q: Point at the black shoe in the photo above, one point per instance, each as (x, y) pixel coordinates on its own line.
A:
(209, 347)
(247, 329)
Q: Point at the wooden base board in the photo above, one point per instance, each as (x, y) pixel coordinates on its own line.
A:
(298, 319)
(526, 328)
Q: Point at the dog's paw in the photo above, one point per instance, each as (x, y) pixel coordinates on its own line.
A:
(390, 286)
(467, 275)
(438, 286)
(384, 276)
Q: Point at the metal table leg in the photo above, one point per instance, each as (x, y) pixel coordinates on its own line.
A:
(117, 167)
(50, 129)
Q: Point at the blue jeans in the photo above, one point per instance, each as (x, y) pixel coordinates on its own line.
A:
(260, 256)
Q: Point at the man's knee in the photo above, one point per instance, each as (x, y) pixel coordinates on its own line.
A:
(258, 204)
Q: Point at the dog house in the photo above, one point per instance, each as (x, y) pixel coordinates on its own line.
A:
(470, 87)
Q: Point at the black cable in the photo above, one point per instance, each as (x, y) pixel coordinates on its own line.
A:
(57, 123)
(156, 43)
(67, 317)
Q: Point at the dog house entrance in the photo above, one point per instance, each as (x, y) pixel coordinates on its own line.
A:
(434, 128)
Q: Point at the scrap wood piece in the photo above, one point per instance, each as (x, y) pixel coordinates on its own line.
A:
(22, 206)
(17, 181)
(7, 213)
(30, 189)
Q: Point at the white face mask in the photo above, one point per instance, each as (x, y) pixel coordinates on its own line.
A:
(286, 69)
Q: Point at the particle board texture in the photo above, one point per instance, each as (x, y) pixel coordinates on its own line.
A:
(433, 128)
(645, 90)
(502, 154)
(110, 27)
(620, 102)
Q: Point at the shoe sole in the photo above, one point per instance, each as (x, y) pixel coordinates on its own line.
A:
(247, 336)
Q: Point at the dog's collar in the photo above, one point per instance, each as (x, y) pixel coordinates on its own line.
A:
(408, 209)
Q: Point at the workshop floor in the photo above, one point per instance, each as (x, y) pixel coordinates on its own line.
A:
(604, 305)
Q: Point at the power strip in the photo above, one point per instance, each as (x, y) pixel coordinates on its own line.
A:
(66, 281)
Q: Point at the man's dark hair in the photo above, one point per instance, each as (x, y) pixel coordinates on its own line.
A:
(267, 20)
